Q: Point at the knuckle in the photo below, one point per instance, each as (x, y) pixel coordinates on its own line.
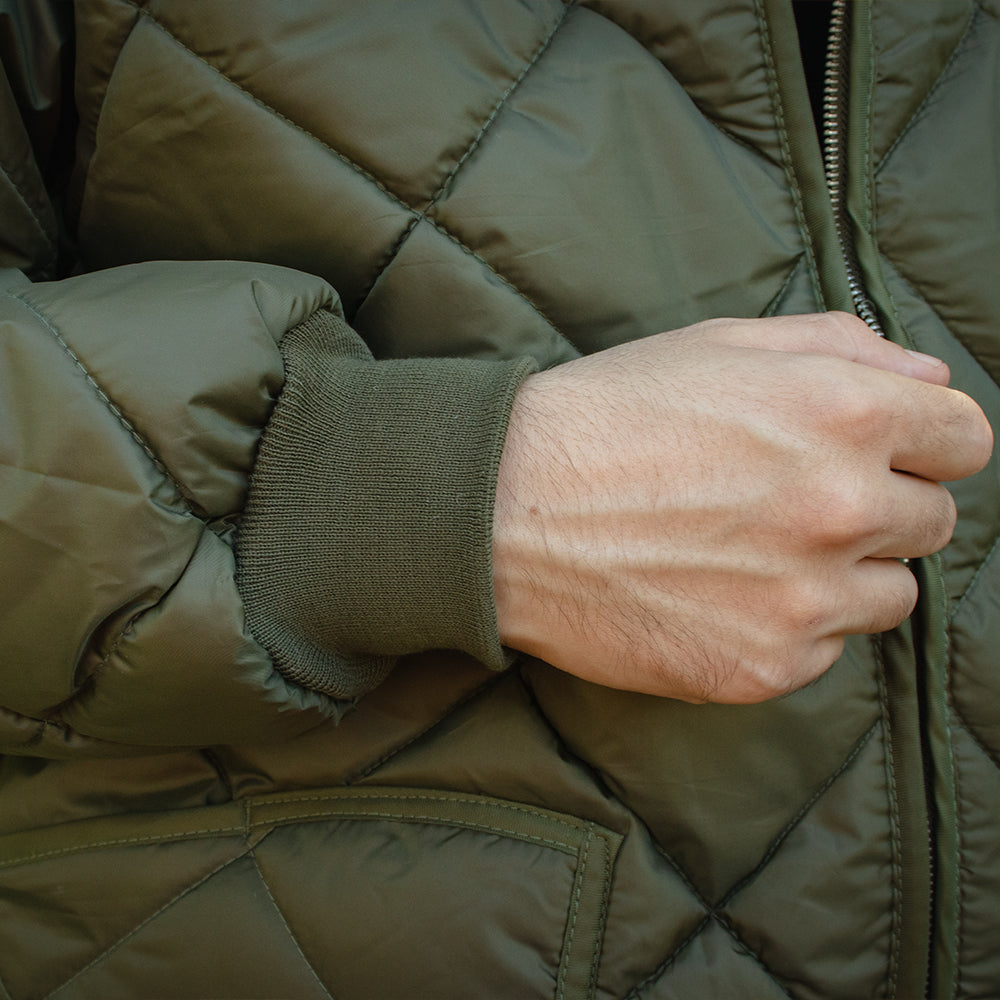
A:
(805, 607)
(855, 411)
(846, 321)
(843, 513)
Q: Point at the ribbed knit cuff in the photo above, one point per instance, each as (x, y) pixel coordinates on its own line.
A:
(368, 528)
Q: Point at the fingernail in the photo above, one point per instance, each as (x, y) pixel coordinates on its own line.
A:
(925, 358)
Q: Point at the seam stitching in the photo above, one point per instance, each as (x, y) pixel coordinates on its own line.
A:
(559, 845)
(749, 878)
(803, 811)
(356, 167)
(777, 301)
(254, 824)
(602, 923)
(884, 258)
(751, 953)
(786, 156)
(368, 769)
(871, 222)
(112, 407)
(912, 288)
(962, 895)
(952, 765)
(895, 931)
(574, 911)
(404, 797)
(343, 157)
(187, 890)
(699, 104)
(534, 306)
(165, 838)
(449, 179)
(976, 738)
(912, 121)
(39, 734)
(987, 559)
(959, 938)
(286, 925)
(871, 186)
(663, 967)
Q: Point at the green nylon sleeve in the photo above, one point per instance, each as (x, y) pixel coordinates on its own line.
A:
(368, 528)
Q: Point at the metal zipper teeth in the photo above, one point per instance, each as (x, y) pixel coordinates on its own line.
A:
(835, 157)
(835, 165)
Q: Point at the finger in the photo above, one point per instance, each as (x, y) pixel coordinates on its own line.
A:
(919, 519)
(882, 595)
(839, 334)
(939, 433)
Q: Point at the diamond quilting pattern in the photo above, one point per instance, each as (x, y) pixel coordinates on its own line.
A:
(763, 763)
(379, 944)
(47, 937)
(975, 637)
(831, 934)
(250, 949)
(837, 913)
(714, 964)
(350, 893)
(977, 789)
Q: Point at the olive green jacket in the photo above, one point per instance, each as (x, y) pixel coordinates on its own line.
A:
(260, 738)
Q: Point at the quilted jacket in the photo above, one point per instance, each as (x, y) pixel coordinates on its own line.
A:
(259, 737)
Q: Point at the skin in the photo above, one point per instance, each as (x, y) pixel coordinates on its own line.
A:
(707, 513)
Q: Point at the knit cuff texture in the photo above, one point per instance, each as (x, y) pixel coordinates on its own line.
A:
(368, 527)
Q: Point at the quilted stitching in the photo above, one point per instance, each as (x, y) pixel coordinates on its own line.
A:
(715, 913)
(127, 425)
(976, 579)
(926, 304)
(470, 149)
(931, 94)
(360, 170)
(144, 923)
(288, 929)
(242, 873)
(791, 178)
(711, 915)
(989, 754)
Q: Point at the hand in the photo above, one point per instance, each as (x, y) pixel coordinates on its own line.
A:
(705, 514)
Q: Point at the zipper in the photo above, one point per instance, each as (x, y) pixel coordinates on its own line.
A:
(835, 151)
(835, 156)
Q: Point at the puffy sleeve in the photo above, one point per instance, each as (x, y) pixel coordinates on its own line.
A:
(220, 519)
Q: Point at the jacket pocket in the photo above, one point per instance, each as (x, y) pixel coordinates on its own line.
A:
(350, 893)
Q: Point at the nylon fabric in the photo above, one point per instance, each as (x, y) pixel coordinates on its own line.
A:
(486, 187)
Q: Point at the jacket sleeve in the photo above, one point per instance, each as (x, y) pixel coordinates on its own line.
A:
(146, 598)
